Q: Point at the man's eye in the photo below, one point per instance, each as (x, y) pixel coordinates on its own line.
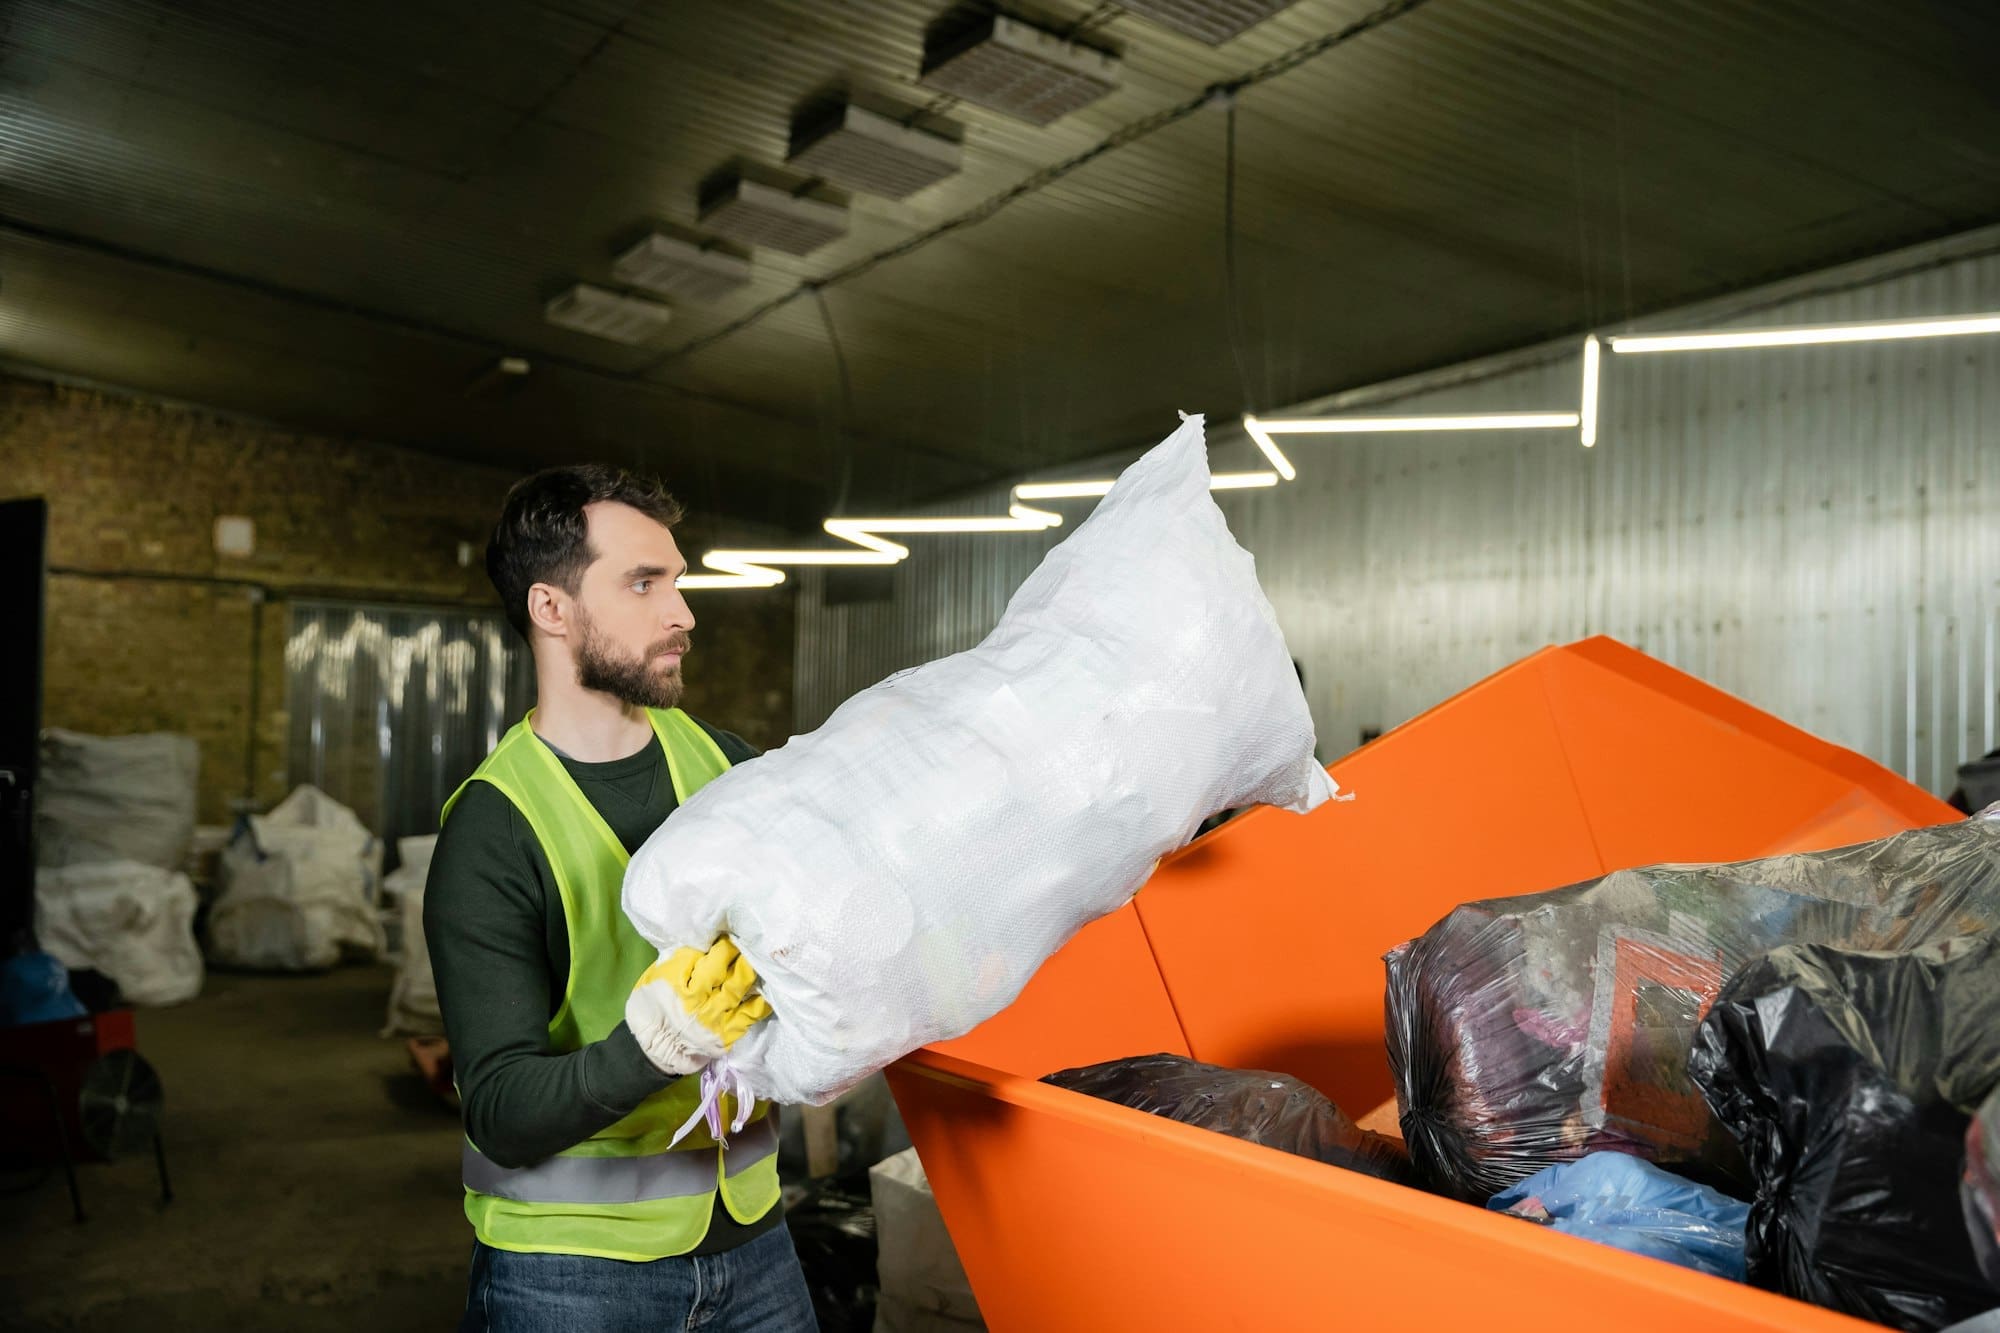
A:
(641, 586)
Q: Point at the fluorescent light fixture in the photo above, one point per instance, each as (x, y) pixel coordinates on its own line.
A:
(761, 569)
(1374, 425)
(769, 578)
(1262, 430)
(1270, 447)
(1806, 336)
(1241, 481)
(867, 532)
(1080, 490)
(1592, 355)
(1060, 490)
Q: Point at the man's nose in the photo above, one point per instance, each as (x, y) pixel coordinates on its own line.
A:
(677, 614)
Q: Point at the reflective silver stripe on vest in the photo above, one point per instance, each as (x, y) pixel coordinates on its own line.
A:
(667, 1175)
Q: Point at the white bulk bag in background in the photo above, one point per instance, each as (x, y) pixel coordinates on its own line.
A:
(413, 1000)
(923, 1285)
(132, 922)
(298, 888)
(115, 798)
(897, 876)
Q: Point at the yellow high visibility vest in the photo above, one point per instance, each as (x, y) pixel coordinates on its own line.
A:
(622, 1193)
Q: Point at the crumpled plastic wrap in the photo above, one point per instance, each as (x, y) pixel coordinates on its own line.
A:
(1849, 1078)
(1275, 1110)
(897, 876)
(1621, 1201)
(1534, 1030)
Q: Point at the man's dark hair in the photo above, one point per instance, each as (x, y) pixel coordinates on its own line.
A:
(543, 537)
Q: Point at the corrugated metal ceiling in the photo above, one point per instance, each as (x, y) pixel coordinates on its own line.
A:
(336, 215)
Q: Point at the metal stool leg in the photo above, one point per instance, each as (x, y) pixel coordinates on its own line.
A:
(41, 1076)
(62, 1138)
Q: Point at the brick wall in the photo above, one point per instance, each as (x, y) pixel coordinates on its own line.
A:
(150, 629)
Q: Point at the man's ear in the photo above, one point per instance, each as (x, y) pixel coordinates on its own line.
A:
(549, 610)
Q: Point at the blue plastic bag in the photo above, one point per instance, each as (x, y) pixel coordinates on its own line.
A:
(1618, 1200)
(34, 988)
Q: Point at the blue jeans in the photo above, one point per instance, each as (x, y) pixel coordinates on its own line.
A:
(755, 1288)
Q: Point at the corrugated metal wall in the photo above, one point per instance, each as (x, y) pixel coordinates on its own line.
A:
(391, 707)
(1814, 529)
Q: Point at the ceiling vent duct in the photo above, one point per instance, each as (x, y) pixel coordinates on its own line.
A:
(670, 266)
(1210, 21)
(857, 149)
(751, 213)
(602, 314)
(1009, 66)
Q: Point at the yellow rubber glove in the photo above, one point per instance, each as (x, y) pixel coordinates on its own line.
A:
(692, 1005)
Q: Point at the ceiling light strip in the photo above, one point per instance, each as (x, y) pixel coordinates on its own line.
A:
(1808, 335)
(730, 568)
(1082, 490)
(1593, 355)
(1378, 425)
(763, 569)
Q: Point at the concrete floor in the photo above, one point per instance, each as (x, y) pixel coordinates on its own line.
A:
(315, 1181)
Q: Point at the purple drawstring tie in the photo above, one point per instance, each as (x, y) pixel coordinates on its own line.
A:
(719, 1079)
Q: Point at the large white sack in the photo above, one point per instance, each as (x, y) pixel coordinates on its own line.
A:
(897, 876)
(115, 798)
(923, 1285)
(132, 922)
(413, 1001)
(298, 888)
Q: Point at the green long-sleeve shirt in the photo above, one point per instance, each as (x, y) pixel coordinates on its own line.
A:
(499, 945)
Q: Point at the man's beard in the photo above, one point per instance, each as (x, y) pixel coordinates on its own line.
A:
(632, 680)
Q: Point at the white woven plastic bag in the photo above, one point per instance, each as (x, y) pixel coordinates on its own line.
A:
(897, 876)
(413, 999)
(115, 798)
(298, 888)
(131, 921)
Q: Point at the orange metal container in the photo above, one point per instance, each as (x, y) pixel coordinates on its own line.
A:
(1260, 947)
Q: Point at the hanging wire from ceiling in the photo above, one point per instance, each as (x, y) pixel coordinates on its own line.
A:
(1232, 314)
(1624, 221)
(1123, 137)
(843, 427)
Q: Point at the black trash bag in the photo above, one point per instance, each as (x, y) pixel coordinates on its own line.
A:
(1850, 1079)
(1980, 1188)
(1275, 1110)
(833, 1229)
(1529, 1031)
